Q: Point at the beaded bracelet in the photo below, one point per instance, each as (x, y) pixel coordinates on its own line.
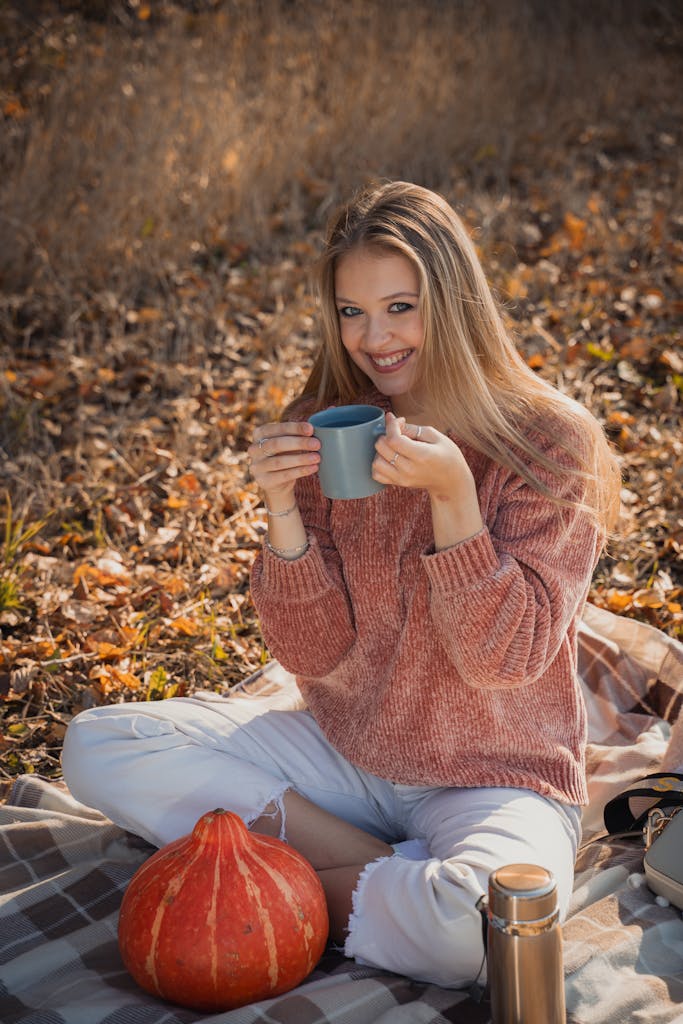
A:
(278, 515)
(287, 552)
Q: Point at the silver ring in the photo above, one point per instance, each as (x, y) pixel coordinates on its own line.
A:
(261, 441)
(419, 431)
(392, 462)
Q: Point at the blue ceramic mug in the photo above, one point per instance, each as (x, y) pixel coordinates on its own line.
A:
(347, 435)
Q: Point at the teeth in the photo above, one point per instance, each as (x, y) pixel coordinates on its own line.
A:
(390, 360)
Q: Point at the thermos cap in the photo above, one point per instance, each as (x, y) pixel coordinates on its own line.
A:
(522, 892)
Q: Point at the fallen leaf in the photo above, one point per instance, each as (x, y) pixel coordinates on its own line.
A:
(618, 600)
(576, 229)
(647, 599)
(189, 482)
(186, 626)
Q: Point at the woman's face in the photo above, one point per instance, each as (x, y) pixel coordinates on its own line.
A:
(377, 295)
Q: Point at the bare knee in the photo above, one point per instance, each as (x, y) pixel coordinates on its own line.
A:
(271, 820)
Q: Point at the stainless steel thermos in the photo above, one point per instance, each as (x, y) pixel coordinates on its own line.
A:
(525, 970)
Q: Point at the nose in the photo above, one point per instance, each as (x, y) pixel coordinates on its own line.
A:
(378, 333)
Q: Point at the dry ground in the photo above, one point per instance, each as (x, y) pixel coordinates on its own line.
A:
(166, 173)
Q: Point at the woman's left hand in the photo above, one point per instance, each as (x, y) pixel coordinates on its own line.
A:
(409, 455)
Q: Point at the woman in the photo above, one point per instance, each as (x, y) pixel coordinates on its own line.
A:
(431, 626)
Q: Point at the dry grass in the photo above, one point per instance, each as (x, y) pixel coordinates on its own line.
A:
(244, 123)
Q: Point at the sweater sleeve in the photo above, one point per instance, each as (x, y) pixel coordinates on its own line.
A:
(303, 604)
(502, 601)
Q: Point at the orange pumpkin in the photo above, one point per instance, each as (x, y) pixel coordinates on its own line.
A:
(222, 917)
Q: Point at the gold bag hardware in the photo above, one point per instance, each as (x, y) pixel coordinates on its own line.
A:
(663, 861)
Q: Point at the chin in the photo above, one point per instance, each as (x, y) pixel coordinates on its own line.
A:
(388, 391)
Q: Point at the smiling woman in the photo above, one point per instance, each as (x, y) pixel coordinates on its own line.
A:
(431, 626)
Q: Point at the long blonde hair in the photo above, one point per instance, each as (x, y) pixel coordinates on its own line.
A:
(476, 380)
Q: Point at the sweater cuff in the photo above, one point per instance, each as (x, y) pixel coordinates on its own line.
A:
(464, 565)
(303, 578)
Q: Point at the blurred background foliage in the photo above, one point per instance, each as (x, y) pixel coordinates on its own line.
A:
(140, 133)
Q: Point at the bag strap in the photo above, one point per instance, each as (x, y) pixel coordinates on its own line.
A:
(665, 789)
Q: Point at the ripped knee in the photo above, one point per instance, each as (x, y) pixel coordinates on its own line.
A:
(271, 820)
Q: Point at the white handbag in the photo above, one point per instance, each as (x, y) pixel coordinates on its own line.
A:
(661, 827)
(663, 861)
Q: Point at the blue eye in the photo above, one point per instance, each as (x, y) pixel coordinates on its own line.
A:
(349, 311)
(399, 307)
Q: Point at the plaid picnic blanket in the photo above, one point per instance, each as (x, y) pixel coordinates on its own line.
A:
(64, 868)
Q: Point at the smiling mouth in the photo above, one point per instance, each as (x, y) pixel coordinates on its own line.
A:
(390, 362)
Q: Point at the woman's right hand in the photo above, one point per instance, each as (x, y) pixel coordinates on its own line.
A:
(280, 454)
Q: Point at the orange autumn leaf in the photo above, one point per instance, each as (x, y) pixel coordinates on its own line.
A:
(174, 502)
(174, 585)
(102, 579)
(276, 394)
(110, 678)
(647, 599)
(105, 650)
(594, 205)
(72, 538)
(515, 287)
(576, 229)
(148, 315)
(596, 287)
(620, 419)
(40, 650)
(185, 626)
(230, 160)
(13, 107)
(555, 244)
(618, 600)
(189, 482)
(107, 644)
(40, 547)
(130, 635)
(126, 678)
(224, 395)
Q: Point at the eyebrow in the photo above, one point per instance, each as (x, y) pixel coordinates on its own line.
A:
(385, 298)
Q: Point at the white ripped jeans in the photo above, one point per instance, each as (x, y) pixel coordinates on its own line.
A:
(155, 768)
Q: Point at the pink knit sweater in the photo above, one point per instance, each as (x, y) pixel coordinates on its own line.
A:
(449, 668)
